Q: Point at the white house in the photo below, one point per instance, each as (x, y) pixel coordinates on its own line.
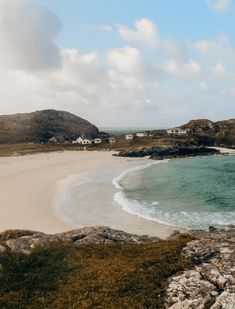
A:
(129, 136)
(78, 140)
(52, 140)
(177, 131)
(97, 141)
(82, 141)
(141, 134)
(86, 141)
(112, 140)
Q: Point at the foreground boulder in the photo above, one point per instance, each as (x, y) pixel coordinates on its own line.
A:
(211, 282)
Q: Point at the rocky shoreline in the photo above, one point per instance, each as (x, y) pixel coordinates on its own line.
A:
(209, 281)
(157, 153)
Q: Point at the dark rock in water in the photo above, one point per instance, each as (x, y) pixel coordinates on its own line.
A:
(41, 126)
(157, 153)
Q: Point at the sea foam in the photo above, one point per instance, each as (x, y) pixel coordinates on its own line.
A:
(186, 219)
(142, 210)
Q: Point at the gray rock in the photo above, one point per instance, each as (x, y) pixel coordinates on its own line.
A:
(102, 234)
(97, 235)
(25, 244)
(211, 273)
(189, 289)
(211, 282)
(226, 300)
(2, 249)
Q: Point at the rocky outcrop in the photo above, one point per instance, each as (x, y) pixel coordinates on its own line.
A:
(208, 281)
(207, 132)
(157, 153)
(42, 126)
(89, 235)
(103, 235)
(211, 282)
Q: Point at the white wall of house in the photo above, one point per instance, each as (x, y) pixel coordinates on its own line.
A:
(129, 136)
(112, 140)
(97, 140)
(141, 134)
(177, 131)
(86, 142)
(82, 141)
(78, 140)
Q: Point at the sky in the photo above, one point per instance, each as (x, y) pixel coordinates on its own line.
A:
(116, 63)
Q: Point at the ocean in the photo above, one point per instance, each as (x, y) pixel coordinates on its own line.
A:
(191, 193)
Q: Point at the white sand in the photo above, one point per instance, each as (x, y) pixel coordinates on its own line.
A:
(28, 187)
(223, 150)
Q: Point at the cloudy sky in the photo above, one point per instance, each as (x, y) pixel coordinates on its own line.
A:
(155, 63)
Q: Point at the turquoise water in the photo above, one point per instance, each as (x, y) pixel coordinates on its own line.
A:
(191, 193)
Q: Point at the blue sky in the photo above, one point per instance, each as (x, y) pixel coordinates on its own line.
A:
(187, 20)
(119, 63)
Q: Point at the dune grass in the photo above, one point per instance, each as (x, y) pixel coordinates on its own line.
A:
(90, 276)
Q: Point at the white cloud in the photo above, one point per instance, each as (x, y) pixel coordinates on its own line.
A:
(204, 86)
(187, 70)
(173, 49)
(145, 32)
(218, 54)
(232, 92)
(218, 5)
(218, 70)
(129, 60)
(27, 36)
(100, 86)
(202, 47)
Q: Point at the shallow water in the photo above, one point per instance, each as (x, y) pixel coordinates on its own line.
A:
(190, 193)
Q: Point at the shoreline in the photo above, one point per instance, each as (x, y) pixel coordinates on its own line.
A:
(28, 186)
(28, 193)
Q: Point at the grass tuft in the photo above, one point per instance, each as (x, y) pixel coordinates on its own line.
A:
(91, 276)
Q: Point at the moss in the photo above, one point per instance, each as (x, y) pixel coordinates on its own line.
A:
(91, 276)
(13, 234)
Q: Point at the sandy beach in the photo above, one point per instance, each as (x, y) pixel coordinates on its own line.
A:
(28, 186)
(223, 150)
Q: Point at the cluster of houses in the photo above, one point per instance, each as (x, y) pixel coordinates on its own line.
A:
(112, 140)
(174, 131)
(139, 134)
(87, 141)
(177, 131)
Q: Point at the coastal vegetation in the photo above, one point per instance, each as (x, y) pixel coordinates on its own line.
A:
(64, 275)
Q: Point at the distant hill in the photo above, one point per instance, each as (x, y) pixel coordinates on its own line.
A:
(208, 132)
(40, 126)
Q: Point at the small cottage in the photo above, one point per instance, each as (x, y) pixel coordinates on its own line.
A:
(141, 134)
(112, 140)
(86, 141)
(78, 140)
(177, 131)
(97, 141)
(52, 140)
(129, 136)
(82, 141)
